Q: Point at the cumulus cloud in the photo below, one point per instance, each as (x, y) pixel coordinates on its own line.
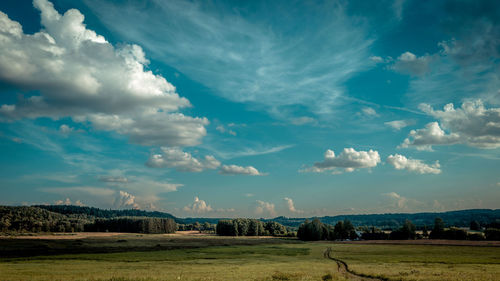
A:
(239, 170)
(399, 202)
(432, 134)
(408, 63)
(349, 160)
(472, 124)
(291, 206)
(400, 162)
(65, 202)
(174, 157)
(68, 202)
(376, 59)
(81, 75)
(475, 124)
(265, 208)
(198, 206)
(125, 200)
(399, 124)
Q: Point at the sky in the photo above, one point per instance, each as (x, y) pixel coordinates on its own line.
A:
(251, 108)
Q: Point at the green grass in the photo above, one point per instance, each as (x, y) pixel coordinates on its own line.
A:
(422, 262)
(241, 259)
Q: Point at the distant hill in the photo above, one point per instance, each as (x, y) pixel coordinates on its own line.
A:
(460, 218)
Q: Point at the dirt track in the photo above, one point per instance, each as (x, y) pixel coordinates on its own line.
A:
(343, 269)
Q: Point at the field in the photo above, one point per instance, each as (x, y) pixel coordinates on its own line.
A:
(192, 257)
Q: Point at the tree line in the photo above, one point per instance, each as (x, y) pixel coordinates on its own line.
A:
(133, 224)
(34, 219)
(251, 227)
(316, 230)
(102, 213)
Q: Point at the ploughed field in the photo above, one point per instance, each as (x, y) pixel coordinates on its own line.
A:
(204, 257)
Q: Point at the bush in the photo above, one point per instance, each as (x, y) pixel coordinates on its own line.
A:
(492, 234)
(475, 236)
(327, 277)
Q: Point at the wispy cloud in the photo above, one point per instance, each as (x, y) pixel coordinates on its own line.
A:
(243, 152)
(288, 60)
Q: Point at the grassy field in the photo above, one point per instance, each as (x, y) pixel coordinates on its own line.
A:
(157, 257)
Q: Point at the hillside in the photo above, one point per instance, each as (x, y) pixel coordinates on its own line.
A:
(102, 213)
(460, 218)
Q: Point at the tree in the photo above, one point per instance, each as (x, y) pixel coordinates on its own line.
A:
(474, 225)
(425, 232)
(197, 226)
(438, 230)
(492, 234)
(207, 226)
(409, 229)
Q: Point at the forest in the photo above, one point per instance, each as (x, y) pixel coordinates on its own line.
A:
(35, 219)
(77, 219)
(252, 227)
(344, 230)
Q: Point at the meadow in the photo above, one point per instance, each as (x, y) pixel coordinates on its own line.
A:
(170, 257)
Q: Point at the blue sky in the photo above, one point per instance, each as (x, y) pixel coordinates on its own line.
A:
(253, 109)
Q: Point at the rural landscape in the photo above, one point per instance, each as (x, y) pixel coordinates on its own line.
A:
(262, 140)
(83, 243)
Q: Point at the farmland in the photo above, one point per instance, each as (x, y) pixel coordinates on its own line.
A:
(203, 257)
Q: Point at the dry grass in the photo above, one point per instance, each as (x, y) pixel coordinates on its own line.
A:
(192, 257)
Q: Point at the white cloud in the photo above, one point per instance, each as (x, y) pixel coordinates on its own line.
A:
(303, 120)
(132, 194)
(473, 123)
(265, 208)
(432, 134)
(198, 206)
(251, 61)
(239, 170)
(223, 130)
(376, 59)
(408, 63)
(174, 157)
(125, 200)
(81, 75)
(396, 199)
(68, 202)
(399, 124)
(291, 207)
(113, 179)
(400, 162)
(65, 202)
(252, 195)
(368, 111)
(65, 129)
(242, 152)
(349, 159)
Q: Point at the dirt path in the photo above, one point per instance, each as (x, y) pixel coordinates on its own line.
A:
(343, 269)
